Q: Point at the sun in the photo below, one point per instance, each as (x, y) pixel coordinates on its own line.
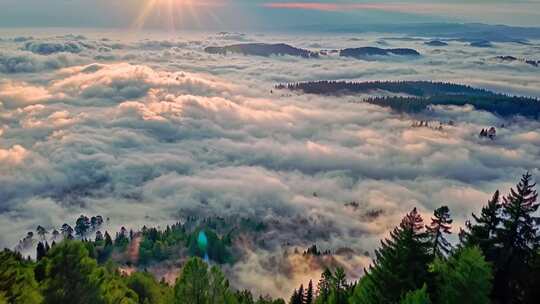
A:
(169, 12)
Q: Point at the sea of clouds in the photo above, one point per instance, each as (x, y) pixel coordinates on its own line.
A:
(143, 128)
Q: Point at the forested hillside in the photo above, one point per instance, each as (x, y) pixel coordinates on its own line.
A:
(496, 260)
(417, 96)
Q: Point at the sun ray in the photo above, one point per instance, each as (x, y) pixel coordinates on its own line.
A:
(145, 12)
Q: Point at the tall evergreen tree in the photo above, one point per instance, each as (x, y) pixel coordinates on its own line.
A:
(519, 240)
(338, 290)
(67, 231)
(108, 239)
(192, 284)
(41, 231)
(82, 225)
(401, 264)
(40, 251)
(483, 232)
(419, 296)
(309, 293)
(295, 299)
(440, 225)
(464, 278)
(323, 287)
(218, 288)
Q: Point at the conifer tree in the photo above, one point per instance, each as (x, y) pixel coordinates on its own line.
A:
(192, 285)
(401, 264)
(483, 232)
(419, 296)
(301, 294)
(294, 298)
(519, 240)
(309, 293)
(40, 251)
(440, 225)
(41, 231)
(108, 239)
(464, 278)
(323, 287)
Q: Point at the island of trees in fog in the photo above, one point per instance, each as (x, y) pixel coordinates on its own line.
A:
(417, 96)
(497, 260)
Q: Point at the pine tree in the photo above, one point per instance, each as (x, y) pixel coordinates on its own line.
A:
(40, 251)
(440, 225)
(41, 231)
(519, 241)
(483, 232)
(419, 296)
(323, 287)
(301, 294)
(338, 290)
(67, 231)
(401, 264)
(294, 298)
(82, 225)
(465, 277)
(192, 285)
(108, 239)
(309, 293)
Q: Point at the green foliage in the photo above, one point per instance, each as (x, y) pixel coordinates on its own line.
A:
(17, 283)
(401, 264)
(121, 241)
(419, 296)
(518, 241)
(216, 250)
(192, 285)
(3, 299)
(482, 233)
(158, 245)
(412, 266)
(464, 278)
(146, 288)
(199, 285)
(324, 286)
(70, 275)
(114, 291)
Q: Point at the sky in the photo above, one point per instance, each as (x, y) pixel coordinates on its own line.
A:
(260, 14)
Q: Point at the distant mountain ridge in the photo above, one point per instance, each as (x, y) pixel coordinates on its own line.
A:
(279, 49)
(261, 49)
(535, 63)
(375, 51)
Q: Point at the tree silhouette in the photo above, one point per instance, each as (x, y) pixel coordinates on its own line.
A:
(440, 225)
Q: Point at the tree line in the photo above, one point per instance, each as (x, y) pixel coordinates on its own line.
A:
(420, 95)
(496, 260)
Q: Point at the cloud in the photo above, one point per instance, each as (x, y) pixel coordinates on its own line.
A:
(48, 48)
(26, 62)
